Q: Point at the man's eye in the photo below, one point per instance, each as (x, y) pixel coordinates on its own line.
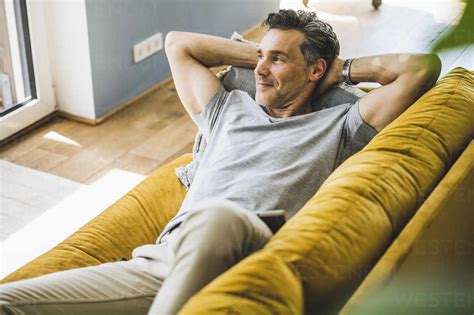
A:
(277, 59)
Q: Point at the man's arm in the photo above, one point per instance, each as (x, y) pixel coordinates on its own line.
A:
(404, 78)
(190, 56)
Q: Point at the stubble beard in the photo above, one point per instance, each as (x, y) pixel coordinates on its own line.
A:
(275, 102)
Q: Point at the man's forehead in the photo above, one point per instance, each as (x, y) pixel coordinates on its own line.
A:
(285, 41)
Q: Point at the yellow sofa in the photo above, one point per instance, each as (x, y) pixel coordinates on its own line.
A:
(348, 246)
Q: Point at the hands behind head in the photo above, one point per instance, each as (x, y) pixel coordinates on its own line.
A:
(331, 77)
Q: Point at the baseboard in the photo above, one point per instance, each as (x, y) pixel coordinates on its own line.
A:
(133, 99)
(96, 121)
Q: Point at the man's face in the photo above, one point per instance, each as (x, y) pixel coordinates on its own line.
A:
(281, 71)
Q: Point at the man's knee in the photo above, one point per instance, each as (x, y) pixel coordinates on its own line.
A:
(216, 213)
(223, 223)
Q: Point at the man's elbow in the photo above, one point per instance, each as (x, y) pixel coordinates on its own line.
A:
(173, 39)
(428, 68)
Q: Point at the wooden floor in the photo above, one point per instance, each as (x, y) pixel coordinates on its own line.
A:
(156, 129)
(139, 139)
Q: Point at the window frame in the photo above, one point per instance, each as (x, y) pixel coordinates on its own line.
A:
(43, 102)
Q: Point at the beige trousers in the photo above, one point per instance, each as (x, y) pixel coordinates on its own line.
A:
(159, 278)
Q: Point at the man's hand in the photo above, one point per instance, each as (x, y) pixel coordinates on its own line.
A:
(190, 56)
(332, 76)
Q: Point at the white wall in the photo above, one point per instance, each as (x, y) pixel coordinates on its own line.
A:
(70, 56)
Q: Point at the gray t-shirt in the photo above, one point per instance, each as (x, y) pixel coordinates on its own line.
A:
(264, 163)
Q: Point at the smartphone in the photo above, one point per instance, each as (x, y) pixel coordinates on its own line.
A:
(274, 219)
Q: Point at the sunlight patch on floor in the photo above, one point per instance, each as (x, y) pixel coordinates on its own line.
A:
(52, 135)
(60, 221)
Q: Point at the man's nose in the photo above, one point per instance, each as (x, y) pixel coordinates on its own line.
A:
(262, 68)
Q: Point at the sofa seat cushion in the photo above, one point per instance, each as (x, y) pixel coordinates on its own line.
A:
(324, 252)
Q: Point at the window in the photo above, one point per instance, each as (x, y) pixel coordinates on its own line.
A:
(16, 75)
(26, 92)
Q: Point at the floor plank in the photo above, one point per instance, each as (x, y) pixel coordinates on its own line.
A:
(127, 162)
(41, 160)
(106, 143)
(34, 139)
(169, 140)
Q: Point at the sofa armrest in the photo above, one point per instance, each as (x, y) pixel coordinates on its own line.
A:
(431, 258)
(135, 219)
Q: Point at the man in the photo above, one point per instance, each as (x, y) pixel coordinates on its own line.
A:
(269, 153)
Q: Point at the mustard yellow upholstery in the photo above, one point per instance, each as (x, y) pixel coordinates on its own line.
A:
(318, 258)
(428, 269)
(135, 219)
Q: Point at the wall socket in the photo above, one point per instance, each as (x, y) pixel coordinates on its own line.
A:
(148, 47)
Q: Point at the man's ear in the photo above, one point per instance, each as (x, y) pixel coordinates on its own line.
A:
(318, 69)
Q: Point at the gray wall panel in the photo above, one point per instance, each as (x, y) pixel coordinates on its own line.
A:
(114, 26)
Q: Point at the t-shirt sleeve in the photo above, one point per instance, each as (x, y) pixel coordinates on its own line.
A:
(356, 134)
(357, 129)
(207, 119)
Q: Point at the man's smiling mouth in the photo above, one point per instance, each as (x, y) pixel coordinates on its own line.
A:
(264, 85)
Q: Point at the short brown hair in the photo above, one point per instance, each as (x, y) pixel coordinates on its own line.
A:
(320, 40)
